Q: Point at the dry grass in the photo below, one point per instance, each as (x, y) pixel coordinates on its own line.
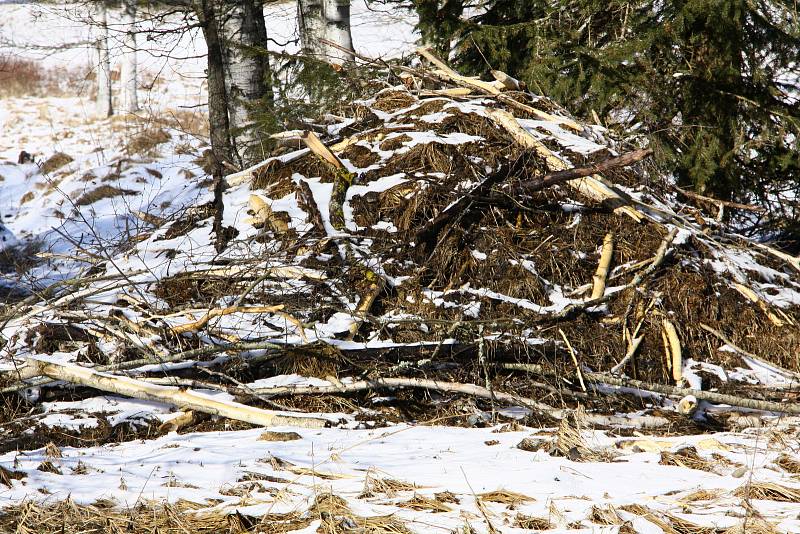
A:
(530, 522)
(510, 498)
(768, 491)
(686, 457)
(385, 486)
(608, 515)
(103, 517)
(788, 463)
(571, 444)
(101, 193)
(26, 77)
(703, 495)
(420, 502)
(146, 142)
(55, 162)
(337, 518)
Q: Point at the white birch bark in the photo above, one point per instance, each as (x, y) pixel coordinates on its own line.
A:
(130, 99)
(311, 19)
(337, 30)
(103, 104)
(246, 71)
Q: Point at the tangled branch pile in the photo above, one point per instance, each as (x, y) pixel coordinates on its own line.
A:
(448, 232)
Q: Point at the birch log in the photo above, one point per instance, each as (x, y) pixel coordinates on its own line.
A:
(466, 389)
(600, 276)
(590, 186)
(182, 398)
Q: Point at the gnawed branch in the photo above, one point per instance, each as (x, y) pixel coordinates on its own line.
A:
(182, 398)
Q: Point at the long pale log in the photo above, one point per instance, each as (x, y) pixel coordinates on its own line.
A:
(675, 350)
(27, 371)
(600, 276)
(590, 186)
(488, 88)
(673, 391)
(457, 387)
(184, 399)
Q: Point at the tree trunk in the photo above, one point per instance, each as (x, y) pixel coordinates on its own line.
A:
(247, 75)
(337, 29)
(326, 20)
(130, 101)
(311, 19)
(208, 14)
(103, 104)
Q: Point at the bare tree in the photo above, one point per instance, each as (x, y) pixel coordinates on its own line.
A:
(130, 100)
(322, 22)
(247, 73)
(103, 103)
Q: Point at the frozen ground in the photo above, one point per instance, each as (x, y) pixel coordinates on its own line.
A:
(404, 470)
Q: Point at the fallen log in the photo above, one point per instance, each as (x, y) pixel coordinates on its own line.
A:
(182, 398)
(467, 389)
(559, 177)
(589, 185)
(27, 372)
(600, 276)
(672, 391)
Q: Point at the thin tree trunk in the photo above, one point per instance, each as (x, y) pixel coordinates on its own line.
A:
(103, 104)
(247, 72)
(130, 100)
(208, 14)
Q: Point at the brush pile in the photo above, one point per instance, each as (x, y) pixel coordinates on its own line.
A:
(448, 235)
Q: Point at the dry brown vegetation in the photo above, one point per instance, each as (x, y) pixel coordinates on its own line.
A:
(25, 77)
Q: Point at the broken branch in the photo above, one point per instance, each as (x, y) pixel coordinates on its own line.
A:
(184, 399)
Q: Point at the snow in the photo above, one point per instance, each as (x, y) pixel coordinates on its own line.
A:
(199, 467)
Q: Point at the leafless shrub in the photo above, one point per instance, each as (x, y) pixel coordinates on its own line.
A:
(26, 77)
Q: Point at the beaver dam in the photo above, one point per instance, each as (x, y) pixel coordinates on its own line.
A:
(461, 308)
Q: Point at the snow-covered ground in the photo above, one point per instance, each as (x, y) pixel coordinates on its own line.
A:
(400, 470)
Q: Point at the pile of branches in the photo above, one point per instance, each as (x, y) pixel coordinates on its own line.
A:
(449, 235)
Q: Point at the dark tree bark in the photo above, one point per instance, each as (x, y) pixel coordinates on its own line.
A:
(208, 14)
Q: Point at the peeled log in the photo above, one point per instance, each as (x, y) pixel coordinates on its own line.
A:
(599, 279)
(591, 186)
(182, 398)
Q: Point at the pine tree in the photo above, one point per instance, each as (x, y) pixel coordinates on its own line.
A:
(710, 81)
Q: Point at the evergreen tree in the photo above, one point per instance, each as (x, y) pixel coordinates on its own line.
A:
(710, 81)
